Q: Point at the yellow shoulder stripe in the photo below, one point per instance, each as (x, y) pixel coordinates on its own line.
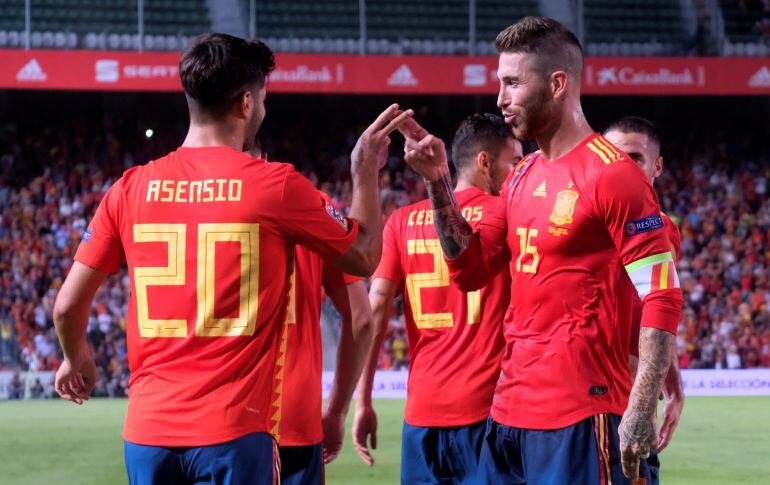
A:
(603, 142)
(599, 152)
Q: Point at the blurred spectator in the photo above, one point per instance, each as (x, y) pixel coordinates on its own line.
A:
(15, 390)
(715, 187)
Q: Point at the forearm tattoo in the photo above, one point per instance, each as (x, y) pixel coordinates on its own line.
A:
(453, 230)
(654, 361)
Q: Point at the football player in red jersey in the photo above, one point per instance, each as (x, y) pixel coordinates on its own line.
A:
(571, 219)
(206, 232)
(308, 438)
(455, 338)
(640, 140)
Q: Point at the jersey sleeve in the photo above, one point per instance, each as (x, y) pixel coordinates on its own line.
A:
(390, 263)
(629, 208)
(310, 220)
(487, 253)
(350, 279)
(332, 278)
(101, 248)
(674, 236)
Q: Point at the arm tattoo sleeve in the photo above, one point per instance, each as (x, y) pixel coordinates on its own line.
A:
(654, 361)
(453, 230)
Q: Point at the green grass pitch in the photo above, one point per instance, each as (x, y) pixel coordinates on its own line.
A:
(720, 441)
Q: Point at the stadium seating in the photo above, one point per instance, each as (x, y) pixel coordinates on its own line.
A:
(494, 15)
(103, 24)
(634, 27)
(396, 27)
(746, 28)
(392, 26)
(335, 19)
(740, 22)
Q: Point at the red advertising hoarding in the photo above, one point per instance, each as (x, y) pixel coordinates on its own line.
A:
(352, 74)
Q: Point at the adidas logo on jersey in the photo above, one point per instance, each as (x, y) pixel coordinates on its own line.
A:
(760, 79)
(539, 191)
(32, 72)
(402, 77)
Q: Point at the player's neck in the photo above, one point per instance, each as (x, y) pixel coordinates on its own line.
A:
(466, 182)
(571, 129)
(213, 135)
(463, 183)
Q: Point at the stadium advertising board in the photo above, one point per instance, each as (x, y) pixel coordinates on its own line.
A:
(392, 384)
(352, 74)
(696, 382)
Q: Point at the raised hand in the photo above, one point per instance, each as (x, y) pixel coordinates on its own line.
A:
(371, 151)
(365, 426)
(424, 152)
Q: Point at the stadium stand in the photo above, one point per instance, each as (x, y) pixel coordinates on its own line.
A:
(400, 27)
(103, 24)
(309, 20)
(492, 16)
(741, 20)
(647, 27)
(746, 27)
(51, 180)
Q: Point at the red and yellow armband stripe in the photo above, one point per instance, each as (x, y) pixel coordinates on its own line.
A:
(653, 273)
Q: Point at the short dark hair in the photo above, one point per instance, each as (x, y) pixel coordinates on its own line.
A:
(635, 124)
(217, 66)
(478, 132)
(555, 47)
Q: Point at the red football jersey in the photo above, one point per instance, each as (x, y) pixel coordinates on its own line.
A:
(455, 338)
(302, 402)
(673, 235)
(567, 227)
(207, 234)
(636, 315)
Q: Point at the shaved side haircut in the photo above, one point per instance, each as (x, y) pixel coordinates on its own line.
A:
(554, 46)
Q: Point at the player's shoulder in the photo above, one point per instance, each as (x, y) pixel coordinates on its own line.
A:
(610, 166)
(129, 179)
(287, 178)
(602, 156)
(474, 196)
(134, 175)
(669, 223)
(518, 170)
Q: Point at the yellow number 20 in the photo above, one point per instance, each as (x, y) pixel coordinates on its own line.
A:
(415, 282)
(206, 325)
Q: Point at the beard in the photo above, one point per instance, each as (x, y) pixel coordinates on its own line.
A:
(252, 128)
(534, 116)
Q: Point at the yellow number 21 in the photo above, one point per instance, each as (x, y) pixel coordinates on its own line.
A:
(415, 282)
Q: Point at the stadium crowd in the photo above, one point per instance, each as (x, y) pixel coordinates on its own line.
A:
(52, 180)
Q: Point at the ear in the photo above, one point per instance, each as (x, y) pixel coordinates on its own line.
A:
(247, 104)
(559, 82)
(483, 162)
(658, 167)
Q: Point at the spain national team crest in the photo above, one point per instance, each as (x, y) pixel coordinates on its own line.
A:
(564, 208)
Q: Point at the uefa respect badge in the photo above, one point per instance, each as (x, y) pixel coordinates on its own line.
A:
(645, 224)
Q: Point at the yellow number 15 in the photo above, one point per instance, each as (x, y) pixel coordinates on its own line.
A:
(526, 246)
(173, 274)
